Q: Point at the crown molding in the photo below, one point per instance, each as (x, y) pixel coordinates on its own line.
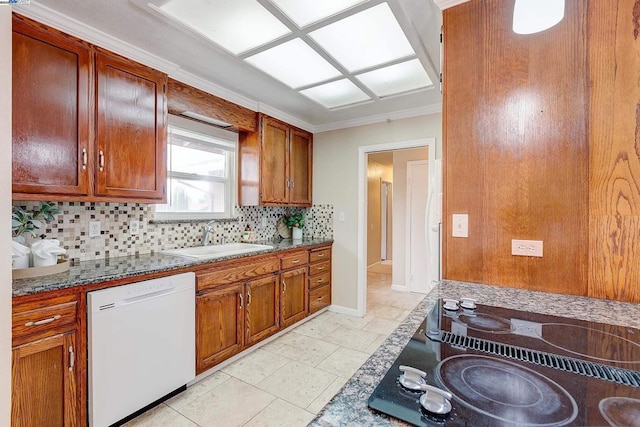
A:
(379, 118)
(446, 4)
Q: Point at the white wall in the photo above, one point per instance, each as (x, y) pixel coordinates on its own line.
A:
(5, 209)
(400, 159)
(335, 181)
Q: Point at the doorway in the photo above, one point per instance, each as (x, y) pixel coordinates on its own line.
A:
(388, 248)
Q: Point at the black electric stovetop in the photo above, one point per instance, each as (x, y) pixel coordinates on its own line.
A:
(514, 368)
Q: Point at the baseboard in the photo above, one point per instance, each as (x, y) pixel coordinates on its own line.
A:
(399, 288)
(344, 310)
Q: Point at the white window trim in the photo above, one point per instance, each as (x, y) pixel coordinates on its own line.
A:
(224, 138)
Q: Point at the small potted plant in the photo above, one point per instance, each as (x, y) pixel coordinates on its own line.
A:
(296, 222)
(24, 222)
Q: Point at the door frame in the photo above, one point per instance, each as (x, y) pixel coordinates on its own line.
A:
(430, 145)
(408, 234)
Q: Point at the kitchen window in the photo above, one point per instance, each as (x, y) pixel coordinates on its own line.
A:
(201, 180)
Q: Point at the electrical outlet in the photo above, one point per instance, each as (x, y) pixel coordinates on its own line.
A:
(341, 216)
(134, 227)
(94, 228)
(526, 248)
(460, 225)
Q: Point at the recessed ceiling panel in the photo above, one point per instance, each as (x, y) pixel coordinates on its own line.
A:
(307, 12)
(396, 78)
(294, 63)
(364, 40)
(237, 25)
(336, 94)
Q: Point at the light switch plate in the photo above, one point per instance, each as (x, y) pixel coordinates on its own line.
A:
(341, 216)
(460, 225)
(526, 248)
(94, 228)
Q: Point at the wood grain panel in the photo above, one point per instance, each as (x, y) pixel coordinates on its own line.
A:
(319, 298)
(131, 129)
(292, 260)
(614, 186)
(182, 97)
(300, 167)
(274, 162)
(219, 325)
(263, 308)
(249, 149)
(44, 389)
(320, 255)
(244, 271)
(516, 147)
(295, 296)
(51, 119)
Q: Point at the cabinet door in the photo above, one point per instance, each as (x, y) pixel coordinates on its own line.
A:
(294, 306)
(131, 130)
(51, 117)
(219, 325)
(263, 308)
(45, 383)
(274, 186)
(300, 168)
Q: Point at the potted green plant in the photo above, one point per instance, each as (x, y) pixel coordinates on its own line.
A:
(296, 222)
(29, 222)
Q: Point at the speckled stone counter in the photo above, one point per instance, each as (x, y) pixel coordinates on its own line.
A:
(349, 406)
(103, 270)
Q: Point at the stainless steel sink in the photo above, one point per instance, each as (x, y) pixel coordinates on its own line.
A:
(217, 251)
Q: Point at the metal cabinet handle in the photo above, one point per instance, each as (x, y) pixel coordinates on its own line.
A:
(248, 298)
(321, 268)
(101, 160)
(284, 286)
(295, 261)
(72, 358)
(288, 184)
(241, 301)
(292, 183)
(320, 280)
(84, 159)
(43, 321)
(320, 255)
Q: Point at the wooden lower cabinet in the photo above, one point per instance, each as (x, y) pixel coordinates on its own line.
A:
(45, 383)
(262, 314)
(295, 296)
(219, 325)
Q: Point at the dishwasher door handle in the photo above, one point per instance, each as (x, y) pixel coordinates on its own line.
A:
(144, 297)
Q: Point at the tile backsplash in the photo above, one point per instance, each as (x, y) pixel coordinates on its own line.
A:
(72, 225)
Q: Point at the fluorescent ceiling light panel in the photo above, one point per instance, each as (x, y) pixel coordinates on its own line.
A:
(294, 63)
(398, 78)
(364, 40)
(310, 11)
(533, 16)
(237, 25)
(336, 94)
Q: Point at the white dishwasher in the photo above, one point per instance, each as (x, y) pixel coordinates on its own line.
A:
(141, 345)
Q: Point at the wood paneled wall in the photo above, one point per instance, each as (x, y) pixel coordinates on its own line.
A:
(614, 187)
(516, 147)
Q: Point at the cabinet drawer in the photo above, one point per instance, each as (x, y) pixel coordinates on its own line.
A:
(319, 298)
(295, 260)
(319, 280)
(320, 255)
(238, 273)
(33, 319)
(320, 268)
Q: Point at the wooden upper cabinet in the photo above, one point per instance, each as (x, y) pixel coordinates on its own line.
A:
(130, 129)
(88, 125)
(51, 112)
(300, 161)
(275, 159)
(275, 165)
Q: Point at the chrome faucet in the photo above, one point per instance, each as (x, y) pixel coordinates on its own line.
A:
(208, 228)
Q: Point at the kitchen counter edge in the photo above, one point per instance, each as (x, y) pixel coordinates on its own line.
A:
(119, 268)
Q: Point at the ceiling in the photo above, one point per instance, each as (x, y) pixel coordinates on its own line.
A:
(135, 30)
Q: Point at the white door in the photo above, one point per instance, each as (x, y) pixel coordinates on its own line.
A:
(417, 255)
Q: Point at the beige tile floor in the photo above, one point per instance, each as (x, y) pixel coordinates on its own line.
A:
(289, 380)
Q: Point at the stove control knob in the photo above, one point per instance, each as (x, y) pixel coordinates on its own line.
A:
(413, 374)
(468, 303)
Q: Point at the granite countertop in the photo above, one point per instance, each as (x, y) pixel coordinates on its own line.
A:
(103, 270)
(349, 406)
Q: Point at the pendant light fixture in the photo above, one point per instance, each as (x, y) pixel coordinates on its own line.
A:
(533, 16)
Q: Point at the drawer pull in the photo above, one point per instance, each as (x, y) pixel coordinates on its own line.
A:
(320, 280)
(241, 301)
(295, 261)
(320, 255)
(321, 268)
(320, 297)
(72, 358)
(43, 321)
